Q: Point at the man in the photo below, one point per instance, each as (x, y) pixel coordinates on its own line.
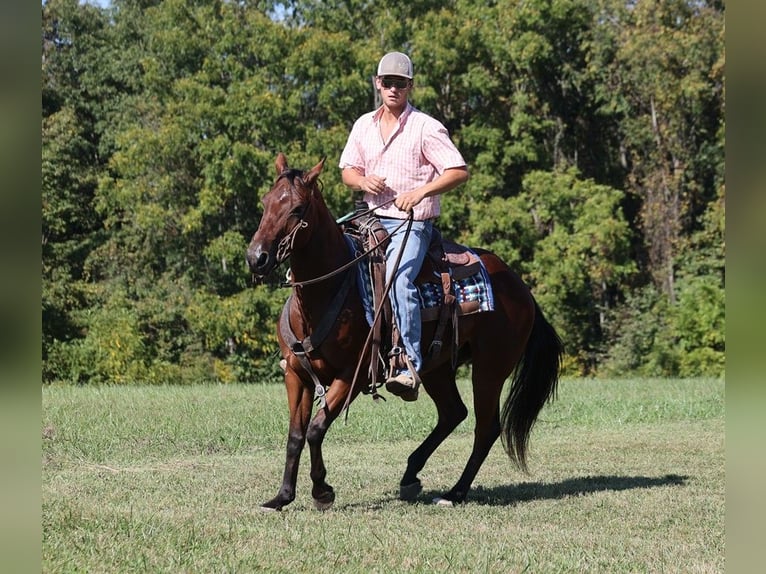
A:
(399, 153)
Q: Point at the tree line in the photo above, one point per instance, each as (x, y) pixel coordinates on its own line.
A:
(593, 130)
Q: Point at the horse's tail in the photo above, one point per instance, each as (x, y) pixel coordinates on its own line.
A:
(534, 383)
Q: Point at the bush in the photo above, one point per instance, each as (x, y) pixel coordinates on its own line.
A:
(176, 337)
(683, 339)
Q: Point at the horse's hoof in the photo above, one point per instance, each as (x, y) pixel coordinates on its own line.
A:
(319, 505)
(410, 491)
(269, 509)
(439, 501)
(273, 505)
(326, 502)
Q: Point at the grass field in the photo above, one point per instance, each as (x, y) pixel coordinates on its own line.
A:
(625, 476)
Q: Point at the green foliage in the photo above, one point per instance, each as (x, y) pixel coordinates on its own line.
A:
(580, 256)
(504, 226)
(69, 223)
(682, 338)
(173, 337)
(239, 332)
(700, 320)
(643, 347)
(593, 131)
(687, 332)
(665, 71)
(112, 351)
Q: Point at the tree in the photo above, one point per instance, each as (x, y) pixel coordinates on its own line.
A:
(593, 131)
(581, 257)
(73, 36)
(667, 79)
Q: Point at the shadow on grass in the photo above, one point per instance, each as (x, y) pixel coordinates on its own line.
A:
(529, 491)
(512, 495)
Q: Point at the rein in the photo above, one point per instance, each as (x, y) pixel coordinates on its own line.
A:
(286, 244)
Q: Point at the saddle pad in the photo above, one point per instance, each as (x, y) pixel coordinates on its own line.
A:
(473, 293)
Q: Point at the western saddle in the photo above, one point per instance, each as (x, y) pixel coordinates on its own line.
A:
(445, 263)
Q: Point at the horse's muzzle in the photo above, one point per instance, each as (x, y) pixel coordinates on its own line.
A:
(260, 261)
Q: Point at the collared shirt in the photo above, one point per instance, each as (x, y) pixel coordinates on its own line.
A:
(418, 150)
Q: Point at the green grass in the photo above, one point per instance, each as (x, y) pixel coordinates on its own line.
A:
(625, 476)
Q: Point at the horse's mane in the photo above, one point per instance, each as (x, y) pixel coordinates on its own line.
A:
(291, 174)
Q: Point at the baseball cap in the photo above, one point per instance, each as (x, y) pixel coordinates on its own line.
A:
(395, 64)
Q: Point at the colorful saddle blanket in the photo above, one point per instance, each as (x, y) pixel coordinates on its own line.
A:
(473, 294)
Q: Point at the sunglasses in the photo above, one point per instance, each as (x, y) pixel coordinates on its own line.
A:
(399, 83)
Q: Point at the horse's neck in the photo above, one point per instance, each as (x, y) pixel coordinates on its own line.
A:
(324, 253)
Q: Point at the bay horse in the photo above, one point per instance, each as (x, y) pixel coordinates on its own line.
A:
(513, 340)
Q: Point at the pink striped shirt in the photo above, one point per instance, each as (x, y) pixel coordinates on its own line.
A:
(416, 152)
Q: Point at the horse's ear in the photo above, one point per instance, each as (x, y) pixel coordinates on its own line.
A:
(281, 163)
(314, 172)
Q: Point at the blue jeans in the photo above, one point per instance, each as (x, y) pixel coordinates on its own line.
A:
(405, 298)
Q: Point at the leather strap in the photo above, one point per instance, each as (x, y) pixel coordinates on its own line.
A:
(301, 349)
(446, 311)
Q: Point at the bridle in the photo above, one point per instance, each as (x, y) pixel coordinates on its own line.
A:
(287, 243)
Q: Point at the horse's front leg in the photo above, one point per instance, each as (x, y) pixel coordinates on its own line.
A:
(322, 493)
(299, 399)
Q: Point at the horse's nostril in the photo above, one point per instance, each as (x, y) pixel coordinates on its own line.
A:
(257, 258)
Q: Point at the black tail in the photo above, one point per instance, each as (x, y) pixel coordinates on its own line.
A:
(534, 383)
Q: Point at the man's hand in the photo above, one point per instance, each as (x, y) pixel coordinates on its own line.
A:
(407, 201)
(373, 184)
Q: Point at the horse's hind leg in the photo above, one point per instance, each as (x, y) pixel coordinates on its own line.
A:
(489, 374)
(486, 406)
(440, 385)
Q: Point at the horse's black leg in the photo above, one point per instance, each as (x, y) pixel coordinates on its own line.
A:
(299, 400)
(286, 494)
(483, 442)
(322, 493)
(488, 382)
(441, 387)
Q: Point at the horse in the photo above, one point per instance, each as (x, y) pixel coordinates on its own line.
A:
(512, 341)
